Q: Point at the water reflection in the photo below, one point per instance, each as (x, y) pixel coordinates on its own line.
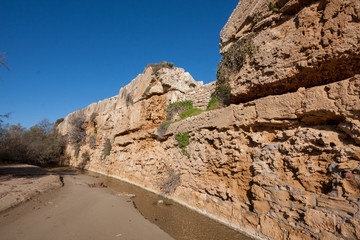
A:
(178, 221)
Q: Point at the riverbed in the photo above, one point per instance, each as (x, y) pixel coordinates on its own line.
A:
(118, 211)
(175, 219)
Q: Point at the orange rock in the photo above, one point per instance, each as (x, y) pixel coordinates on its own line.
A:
(270, 227)
(320, 220)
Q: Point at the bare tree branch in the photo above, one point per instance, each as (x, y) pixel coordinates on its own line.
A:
(3, 62)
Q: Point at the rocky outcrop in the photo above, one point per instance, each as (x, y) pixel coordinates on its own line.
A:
(200, 96)
(274, 47)
(139, 106)
(282, 161)
(279, 166)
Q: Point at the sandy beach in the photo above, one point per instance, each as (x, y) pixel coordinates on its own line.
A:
(73, 211)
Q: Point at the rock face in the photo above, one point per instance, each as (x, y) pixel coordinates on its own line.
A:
(139, 106)
(283, 161)
(275, 47)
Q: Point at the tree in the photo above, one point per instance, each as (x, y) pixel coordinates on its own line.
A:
(44, 145)
(40, 145)
(77, 133)
(2, 131)
(12, 145)
(3, 63)
(3, 116)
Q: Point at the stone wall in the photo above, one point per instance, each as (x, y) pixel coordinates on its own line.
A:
(283, 161)
(201, 96)
(282, 167)
(275, 47)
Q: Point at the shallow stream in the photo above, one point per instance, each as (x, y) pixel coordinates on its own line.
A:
(178, 221)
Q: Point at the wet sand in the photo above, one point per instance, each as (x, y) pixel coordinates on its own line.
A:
(77, 211)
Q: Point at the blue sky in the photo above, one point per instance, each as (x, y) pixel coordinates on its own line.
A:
(64, 55)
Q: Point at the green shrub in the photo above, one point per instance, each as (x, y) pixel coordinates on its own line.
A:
(183, 104)
(183, 140)
(190, 112)
(185, 153)
(147, 89)
(223, 90)
(183, 109)
(273, 7)
(213, 103)
(220, 98)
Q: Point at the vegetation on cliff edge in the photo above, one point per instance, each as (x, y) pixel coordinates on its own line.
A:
(183, 109)
(230, 65)
(77, 134)
(183, 140)
(171, 183)
(106, 148)
(157, 66)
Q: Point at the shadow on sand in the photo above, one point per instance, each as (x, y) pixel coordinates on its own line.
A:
(10, 171)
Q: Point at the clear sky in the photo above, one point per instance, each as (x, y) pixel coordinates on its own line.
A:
(64, 55)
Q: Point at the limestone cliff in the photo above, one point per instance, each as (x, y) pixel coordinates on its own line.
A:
(274, 47)
(281, 162)
(139, 106)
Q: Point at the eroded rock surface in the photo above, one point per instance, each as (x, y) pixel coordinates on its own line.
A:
(273, 162)
(274, 47)
(283, 161)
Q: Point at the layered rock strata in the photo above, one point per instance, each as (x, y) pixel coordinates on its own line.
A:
(200, 96)
(280, 166)
(274, 47)
(283, 161)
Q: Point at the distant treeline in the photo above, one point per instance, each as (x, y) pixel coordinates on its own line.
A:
(39, 145)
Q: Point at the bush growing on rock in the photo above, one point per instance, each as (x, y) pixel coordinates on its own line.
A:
(77, 132)
(183, 109)
(163, 127)
(183, 140)
(220, 98)
(92, 141)
(157, 66)
(231, 64)
(171, 183)
(93, 119)
(273, 7)
(213, 103)
(147, 89)
(60, 120)
(106, 148)
(234, 58)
